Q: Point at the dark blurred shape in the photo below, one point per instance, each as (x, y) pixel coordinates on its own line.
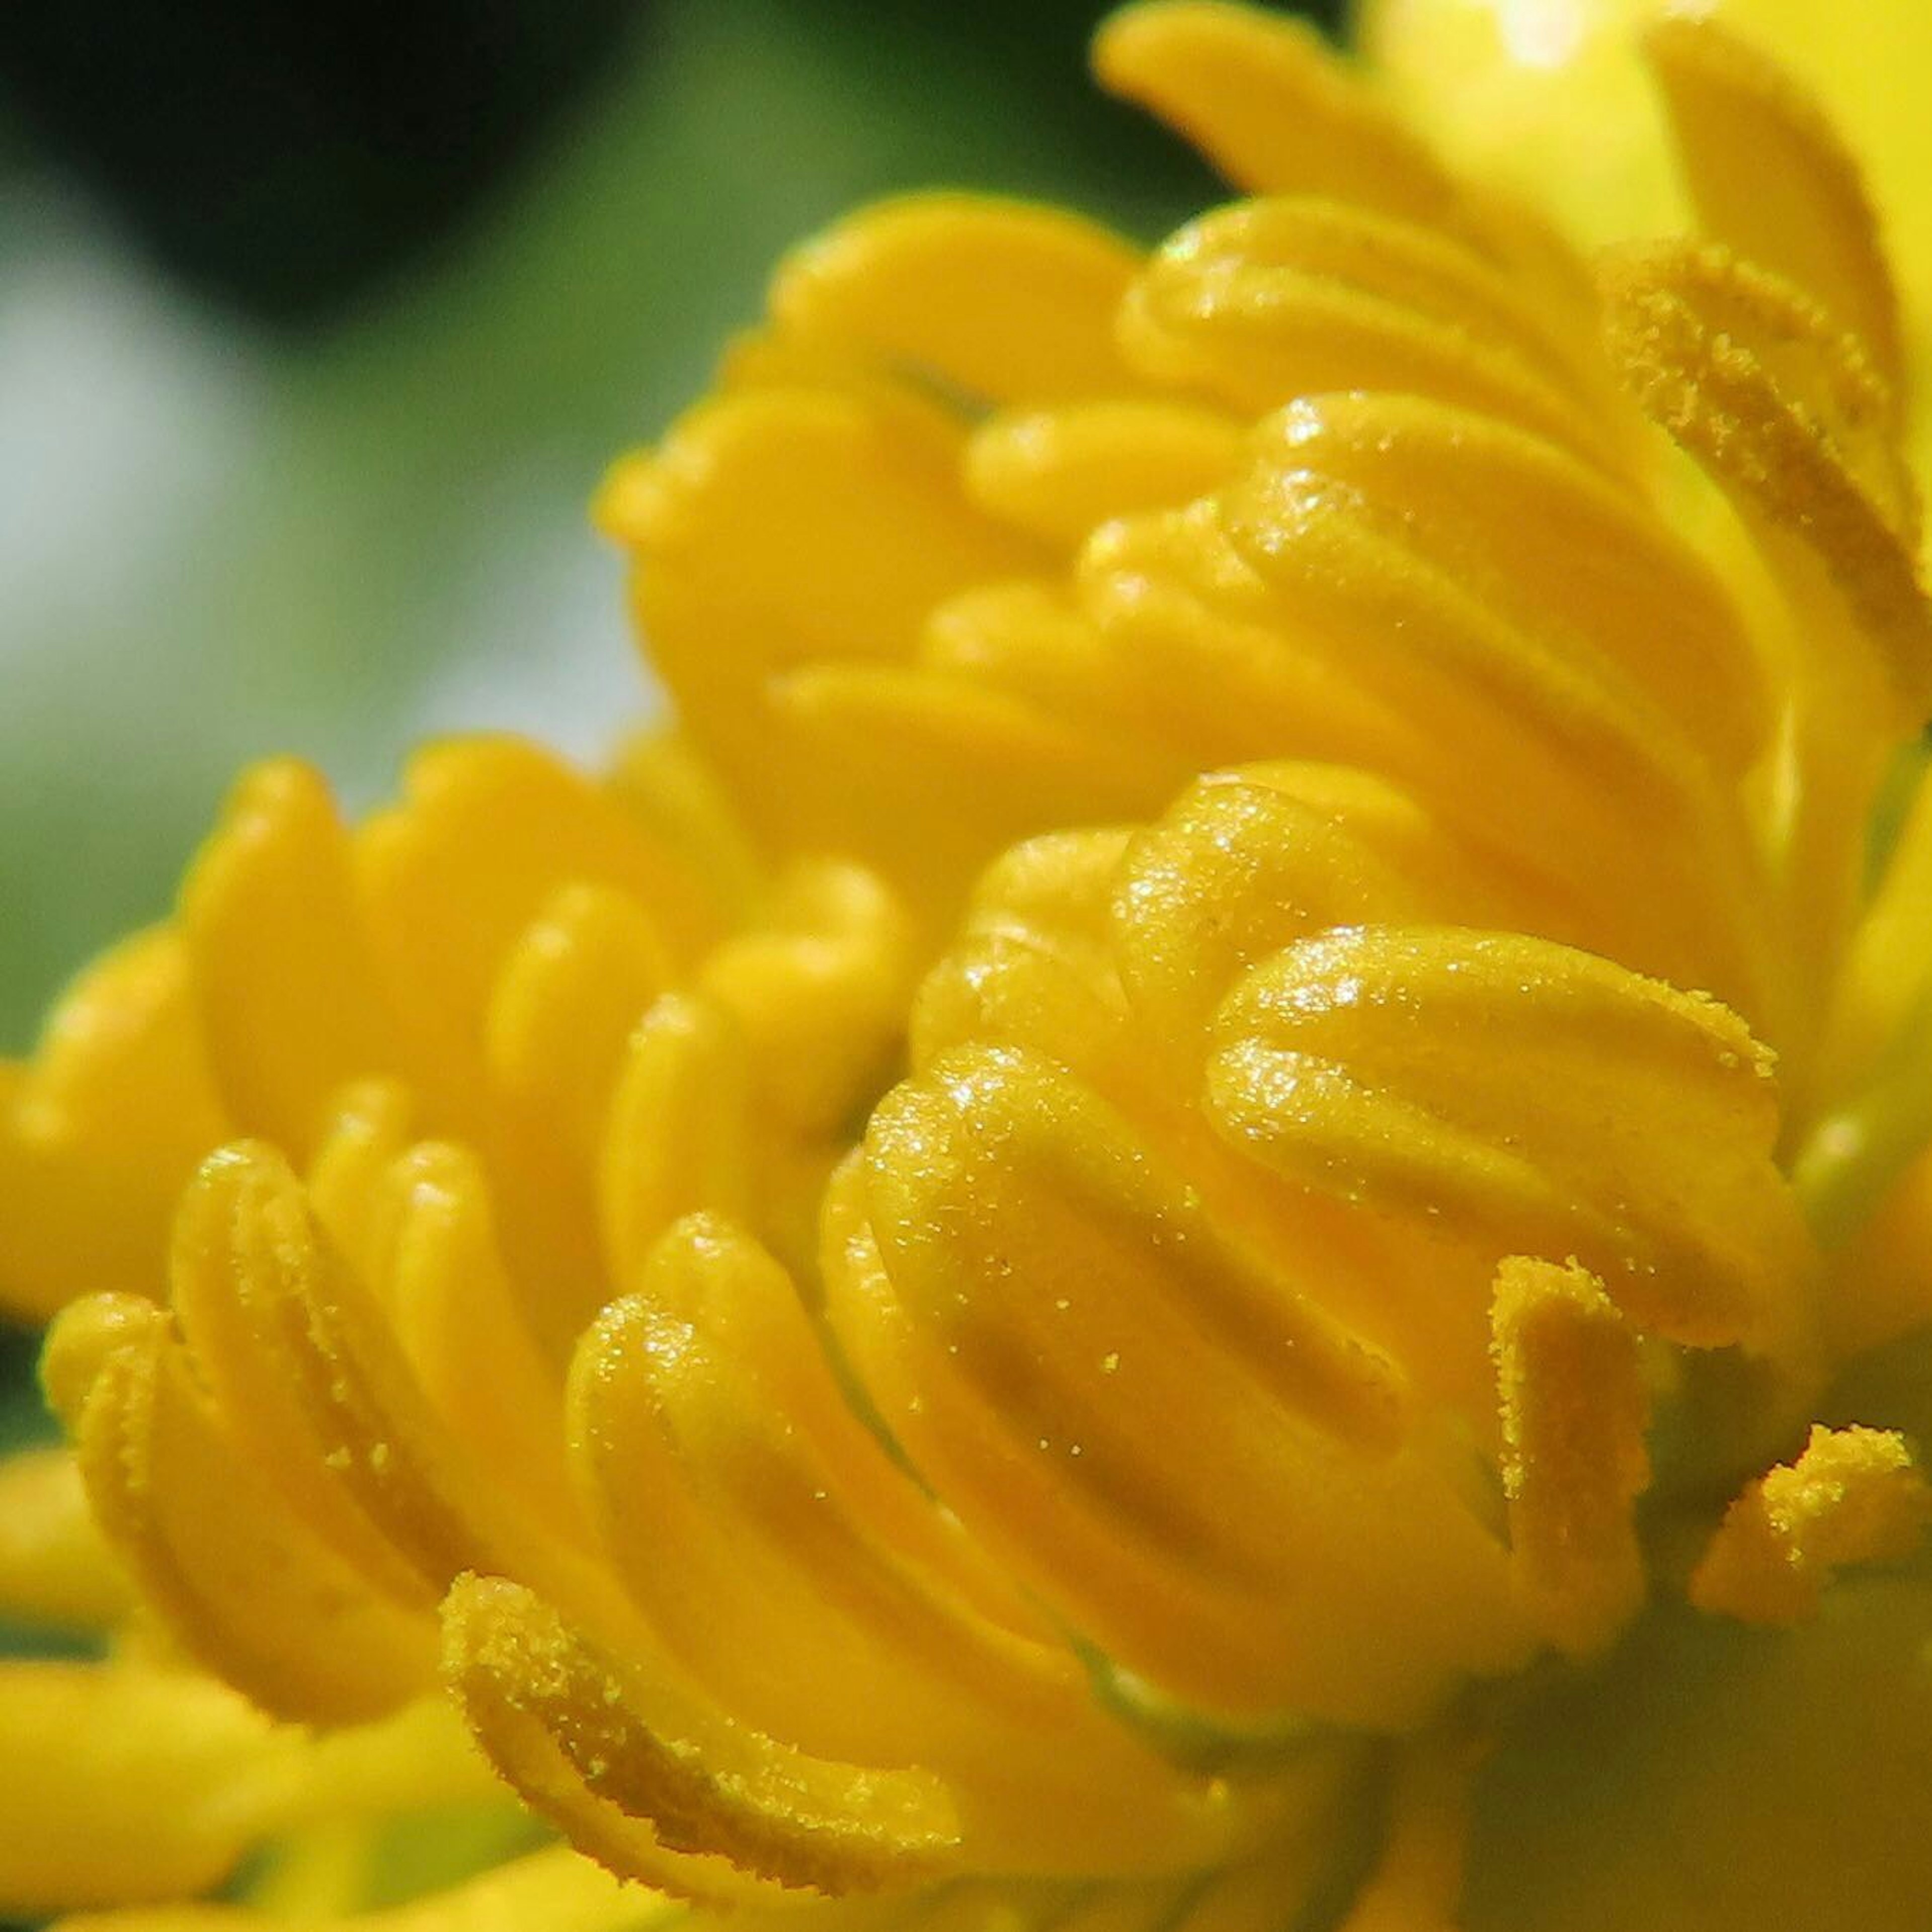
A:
(284, 157)
(1030, 57)
(287, 158)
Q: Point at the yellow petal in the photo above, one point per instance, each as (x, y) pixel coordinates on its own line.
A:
(999, 300)
(1246, 861)
(728, 1810)
(818, 1593)
(1060, 473)
(458, 1322)
(1269, 301)
(898, 749)
(1527, 1099)
(1786, 414)
(288, 1002)
(488, 832)
(54, 1567)
(243, 1249)
(1269, 105)
(817, 987)
(218, 1554)
(99, 1130)
(1773, 182)
(117, 1784)
(1039, 1285)
(1562, 643)
(679, 1137)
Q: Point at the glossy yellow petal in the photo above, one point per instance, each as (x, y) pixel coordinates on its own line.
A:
(489, 832)
(1786, 414)
(1855, 1495)
(1273, 108)
(54, 1567)
(818, 988)
(1244, 862)
(1497, 1085)
(571, 990)
(999, 300)
(1038, 1284)
(117, 1784)
(99, 1130)
(679, 1137)
(288, 1004)
(244, 1252)
(1060, 473)
(1270, 301)
(1603, 671)
(459, 1323)
(579, 1734)
(910, 744)
(821, 1596)
(1771, 179)
(241, 1581)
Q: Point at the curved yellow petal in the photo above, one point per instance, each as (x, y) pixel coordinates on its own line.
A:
(730, 1811)
(288, 1004)
(489, 831)
(999, 300)
(240, 1580)
(100, 1128)
(54, 1567)
(117, 1784)
(1272, 107)
(1062, 472)
(1032, 1284)
(1771, 179)
(1495, 1087)
(1782, 409)
(1270, 301)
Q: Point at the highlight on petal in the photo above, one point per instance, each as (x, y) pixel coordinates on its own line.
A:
(1030, 1282)
(1496, 1086)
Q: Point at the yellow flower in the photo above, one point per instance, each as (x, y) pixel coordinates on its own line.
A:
(1348, 1357)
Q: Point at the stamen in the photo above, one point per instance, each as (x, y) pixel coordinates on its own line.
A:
(1855, 1495)
(1574, 1411)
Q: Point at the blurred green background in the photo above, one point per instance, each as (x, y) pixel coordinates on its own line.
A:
(318, 325)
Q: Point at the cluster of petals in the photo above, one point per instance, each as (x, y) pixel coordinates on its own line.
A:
(1244, 1092)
